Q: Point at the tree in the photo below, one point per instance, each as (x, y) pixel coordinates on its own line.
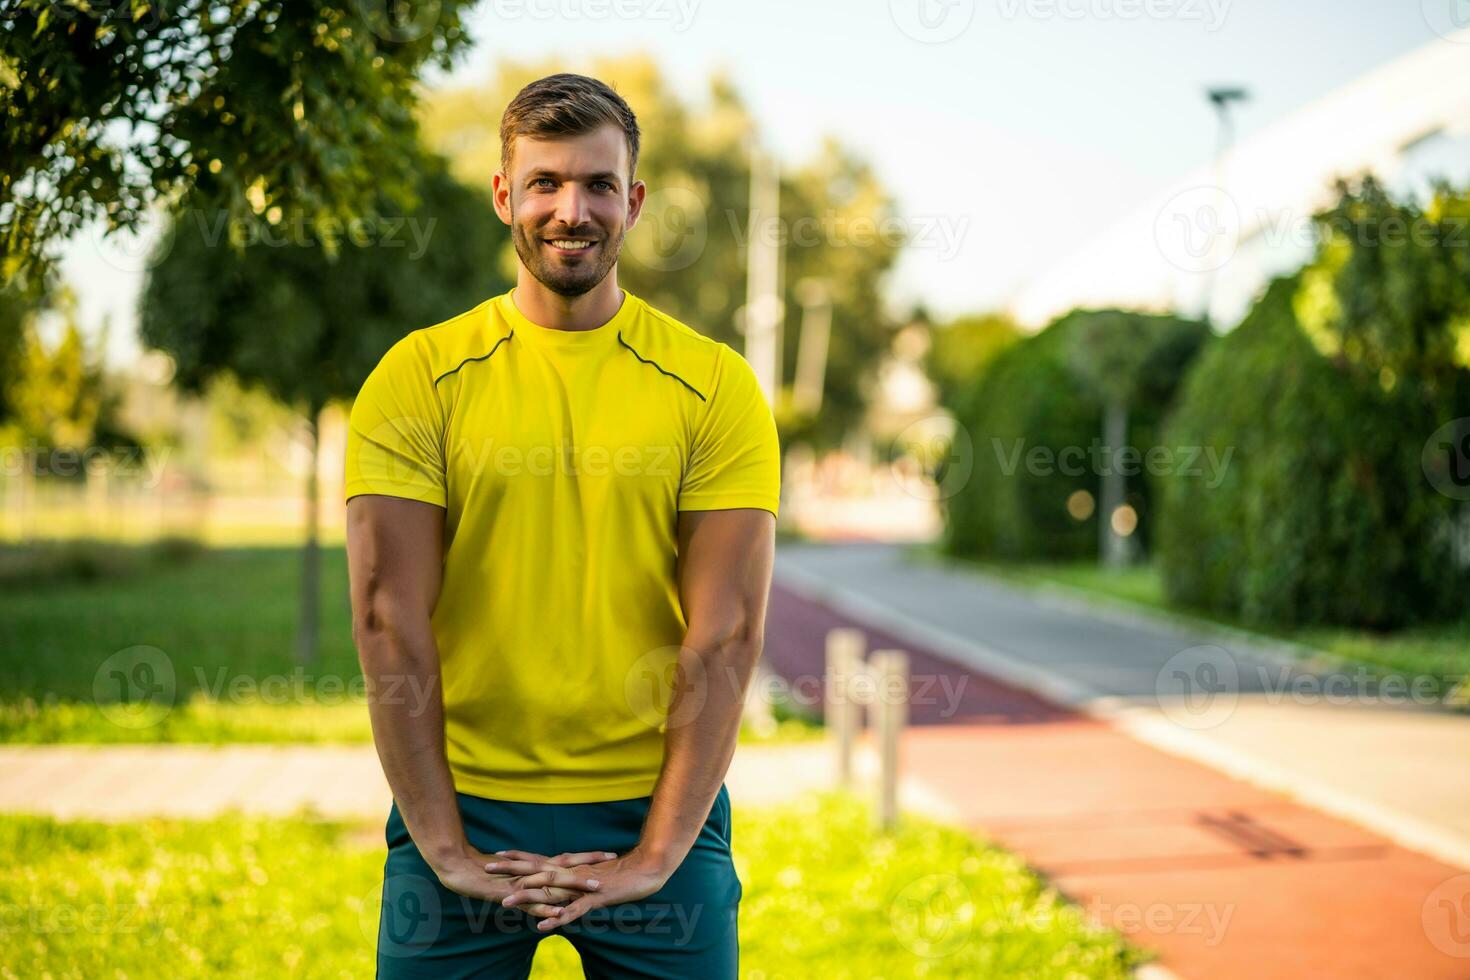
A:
(1034, 423)
(307, 321)
(687, 255)
(961, 349)
(107, 108)
(1115, 356)
(1328, 394)
(16, 308)
(58, 396)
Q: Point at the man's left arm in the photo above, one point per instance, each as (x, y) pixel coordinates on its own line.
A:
(725, 559)
(724, 582)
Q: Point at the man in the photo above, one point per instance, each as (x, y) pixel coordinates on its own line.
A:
(561, 523)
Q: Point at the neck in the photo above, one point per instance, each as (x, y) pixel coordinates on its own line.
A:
(586, 312)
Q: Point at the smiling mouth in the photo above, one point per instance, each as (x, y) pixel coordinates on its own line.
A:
(570, 246)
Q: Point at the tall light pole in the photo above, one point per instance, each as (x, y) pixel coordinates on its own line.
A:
(1221, 98)
(762, 319)
(811, 349)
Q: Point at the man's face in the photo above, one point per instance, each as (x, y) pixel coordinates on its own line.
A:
(569, 202)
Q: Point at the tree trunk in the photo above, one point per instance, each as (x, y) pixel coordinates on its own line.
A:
(309, 617)
(1112, 548)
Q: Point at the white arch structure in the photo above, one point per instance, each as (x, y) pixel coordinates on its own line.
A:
(1195, 240)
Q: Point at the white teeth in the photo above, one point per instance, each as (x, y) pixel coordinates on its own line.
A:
(565, 243)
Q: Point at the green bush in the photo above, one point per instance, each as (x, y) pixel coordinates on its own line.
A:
(1325, 395)
(57, 561)
(1035, 395)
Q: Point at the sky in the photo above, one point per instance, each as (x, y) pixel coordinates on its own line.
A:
(1009, 131)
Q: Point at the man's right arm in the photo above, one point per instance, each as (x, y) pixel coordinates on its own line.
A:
(395, 563)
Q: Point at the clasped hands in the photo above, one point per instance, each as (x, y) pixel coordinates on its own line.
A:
(557, 890)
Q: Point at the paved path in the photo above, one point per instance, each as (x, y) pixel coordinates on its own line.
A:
(1328, 736)
(1224, 878)
(125, 782)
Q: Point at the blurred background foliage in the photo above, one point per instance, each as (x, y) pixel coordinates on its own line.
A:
(1327, 391)
(1047, 393)
(109, 109)
(1320, 401)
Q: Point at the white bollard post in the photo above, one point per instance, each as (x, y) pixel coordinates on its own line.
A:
(844, 659)
(891, 703)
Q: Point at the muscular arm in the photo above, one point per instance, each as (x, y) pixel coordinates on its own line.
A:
(725, 559)
(395, 551)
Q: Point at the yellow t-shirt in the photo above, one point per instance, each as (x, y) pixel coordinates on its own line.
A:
(562, 459)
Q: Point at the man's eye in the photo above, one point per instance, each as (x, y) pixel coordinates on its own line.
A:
(542, 182)
(602, 185)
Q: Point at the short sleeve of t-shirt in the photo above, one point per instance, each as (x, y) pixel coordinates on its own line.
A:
(736, 457)
(396, 429)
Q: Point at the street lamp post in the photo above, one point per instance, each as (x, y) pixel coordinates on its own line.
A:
(1222, 98)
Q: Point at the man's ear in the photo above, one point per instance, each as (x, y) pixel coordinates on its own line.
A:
(500, 195)
(635, 203)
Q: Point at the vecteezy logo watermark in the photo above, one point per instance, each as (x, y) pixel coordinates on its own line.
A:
(1101, 460)
(1198, 688)
(403, 917)
(147, 924)
(934, 915)
(941, 233)
(864, 687)
(278, 230)
(1450, 19)
(1210, 13)
(1198, 230)
(399, 21)
(1446, 916)
(119, 462)
(327, 690)
(672, 230)
(135, 688)
(932, 21)
(653, 681)
(932, 458)
(129, 250)
(1207, 920)
(1446, 459)
(138, 687)
(679, 13)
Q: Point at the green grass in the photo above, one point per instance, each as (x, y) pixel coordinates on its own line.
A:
(1439, 651)
(206, 635)
(234, 896)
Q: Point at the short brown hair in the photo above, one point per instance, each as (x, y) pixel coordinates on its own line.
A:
(566, 105)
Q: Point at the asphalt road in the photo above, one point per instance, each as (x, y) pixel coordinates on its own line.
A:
(1083, 652)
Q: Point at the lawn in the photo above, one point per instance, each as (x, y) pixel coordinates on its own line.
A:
(206, 635)
(1440, 651)
(233, 896)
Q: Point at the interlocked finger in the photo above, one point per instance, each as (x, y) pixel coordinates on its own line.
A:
(519, 867)
(542, 911)
(524, 897)
(582, 857)
(559, 878)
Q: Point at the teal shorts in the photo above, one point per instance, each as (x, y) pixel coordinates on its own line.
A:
(686, 929)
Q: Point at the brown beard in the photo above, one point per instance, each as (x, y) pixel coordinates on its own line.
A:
(566, 280)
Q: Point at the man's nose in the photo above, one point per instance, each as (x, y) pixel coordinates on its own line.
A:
(572, 205)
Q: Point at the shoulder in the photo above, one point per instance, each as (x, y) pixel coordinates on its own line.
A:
(430, 354)
(677, 348)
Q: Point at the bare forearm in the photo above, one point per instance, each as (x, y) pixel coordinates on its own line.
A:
(705, 713)
(406, 706)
